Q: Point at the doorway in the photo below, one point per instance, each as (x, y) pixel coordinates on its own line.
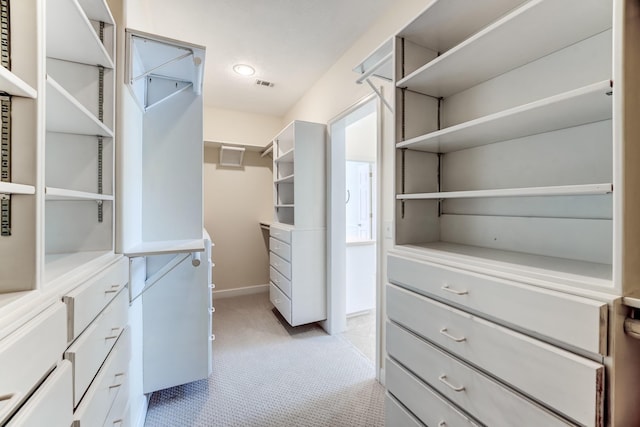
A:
(352, 218)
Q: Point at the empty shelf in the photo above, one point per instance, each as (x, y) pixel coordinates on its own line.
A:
(286, 157)
(97, 10)
(53, 193)
(165, 247)
(11, 188)
(14, 85)
(379, 63)
(561, 190)
(285, 206)
(285, 180)
(60, 265)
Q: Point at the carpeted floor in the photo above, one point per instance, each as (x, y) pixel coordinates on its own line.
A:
(267, 374)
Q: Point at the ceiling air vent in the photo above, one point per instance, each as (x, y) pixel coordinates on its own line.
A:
(264, 83)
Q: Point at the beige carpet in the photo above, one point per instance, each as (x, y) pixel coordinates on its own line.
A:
(267, 374)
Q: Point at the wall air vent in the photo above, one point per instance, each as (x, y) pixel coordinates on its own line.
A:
(264, 83)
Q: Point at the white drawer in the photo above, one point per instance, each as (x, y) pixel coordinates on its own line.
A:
(282, 234)
(97, 402)
(51, 404)
(280, 281)
(86, 301)
(281, 249)
(421, 400)
(41, 341)
(89, 351)
(280, 301)
(480, 396)
(118, 416)
(284, 267)
(397, 416)
(571, 384)
(509, 302)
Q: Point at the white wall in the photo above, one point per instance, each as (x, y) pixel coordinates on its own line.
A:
(237, 127)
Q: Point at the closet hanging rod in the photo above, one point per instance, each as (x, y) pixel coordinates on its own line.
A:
(171, 61)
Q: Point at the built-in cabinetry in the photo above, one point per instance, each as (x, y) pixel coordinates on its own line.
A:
(298, 235)
(513, 247)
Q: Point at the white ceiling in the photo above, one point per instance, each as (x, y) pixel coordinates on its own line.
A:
(291, 43)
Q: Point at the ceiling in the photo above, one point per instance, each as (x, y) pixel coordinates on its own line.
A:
(290, 43)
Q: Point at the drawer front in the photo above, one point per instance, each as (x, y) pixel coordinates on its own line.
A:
(421, 400)
(284, 267)
(41, 341)
(480, 396)
(282, 234)
(280, 281)
(51, 404)
(113, 375)
(86, 301)
(397, 416)
(89, 351)
(118, 416)
(510, 302)
(280, 301)
(571, 384)
(283, 250)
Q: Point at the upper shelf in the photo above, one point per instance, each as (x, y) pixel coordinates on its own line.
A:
(53, 193)
(577, 107)
(285, 180)
(65, 114)
(71, 37)
(378, 63)
(528, 33)
(286, 157)
(97, 10)
(11, 188)
(14, 85)
(165, 247)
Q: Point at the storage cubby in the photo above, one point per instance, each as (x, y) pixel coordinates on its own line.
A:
(505, 139)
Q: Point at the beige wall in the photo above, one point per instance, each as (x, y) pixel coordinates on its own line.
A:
(237, 127)
(235, 201)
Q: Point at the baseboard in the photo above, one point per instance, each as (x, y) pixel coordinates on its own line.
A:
(142, 416)
(247, 290)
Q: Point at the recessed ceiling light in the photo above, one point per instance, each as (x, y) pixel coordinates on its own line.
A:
(244, 70)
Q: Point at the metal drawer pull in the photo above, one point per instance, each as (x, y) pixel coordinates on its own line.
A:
(8, 403)
(442, 424)
(121, 374)
(632, 327)
(443, 379)
(453, 291)
(115, 333)
(444, 332)
(113, 289)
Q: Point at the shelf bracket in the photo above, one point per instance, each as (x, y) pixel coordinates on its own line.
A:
(170, 266)
(379, 94)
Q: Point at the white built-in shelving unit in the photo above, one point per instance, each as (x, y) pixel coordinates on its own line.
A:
(514, 181)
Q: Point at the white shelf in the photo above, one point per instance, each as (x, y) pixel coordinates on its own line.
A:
(532, 31)
(286, 157)
(71, 37)
(53, 193)
(66, 264)
(65, 114)
(577, 107)
(11, 188)
(379, 63)
(285, 206)
(562, 190)
(97, 10)
(14, 85)
(165, 247)
(285, 180)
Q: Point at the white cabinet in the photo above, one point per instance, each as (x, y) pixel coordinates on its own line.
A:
(514, 185)
(297, 238)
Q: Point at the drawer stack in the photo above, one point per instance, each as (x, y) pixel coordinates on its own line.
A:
(100, 347)
(296, 269)
(493, 352)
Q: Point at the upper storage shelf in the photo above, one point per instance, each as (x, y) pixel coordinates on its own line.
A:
(532, 31)
(97, 10)
(379, 63)
(573, 108)
(71, 37)
(12, 188)
(286, 157)
(13, 85)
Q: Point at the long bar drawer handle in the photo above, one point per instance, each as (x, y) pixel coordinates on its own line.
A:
(115, 333)
(453, 291)
(443, 379)
(444, 332)
(120, 374)
(113, 289)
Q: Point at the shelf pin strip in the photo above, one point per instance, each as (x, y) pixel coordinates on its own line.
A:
(5, 35)
(5, 164)
(100, 140)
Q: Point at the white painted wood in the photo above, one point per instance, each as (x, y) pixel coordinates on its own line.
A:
(378, 63)
(97, 10)
(571, 384)
(286, 157)
(65, 194)
(41, 341)
(71, 37)
(286, 180)
(165, 247)
(113, 375)
(60, 268)
(281, 265)
(510, 303)
(485, 399)
(576, 107)
(283, 250)
(280, 281)
(119, 415)
(85, 302)
(91, 348)
(396, 415)
(492, 51)
(308, 273)
(12, 188)
(281, 232)
(280, 301)
(421, 400)
(560, 190)
(14, 85)
(51, 404)
(67, 115)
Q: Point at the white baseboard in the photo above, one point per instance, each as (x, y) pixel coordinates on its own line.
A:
(142, 415)
(247, 290)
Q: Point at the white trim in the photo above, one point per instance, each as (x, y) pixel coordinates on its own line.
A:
(236, 292)
(142, 417)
